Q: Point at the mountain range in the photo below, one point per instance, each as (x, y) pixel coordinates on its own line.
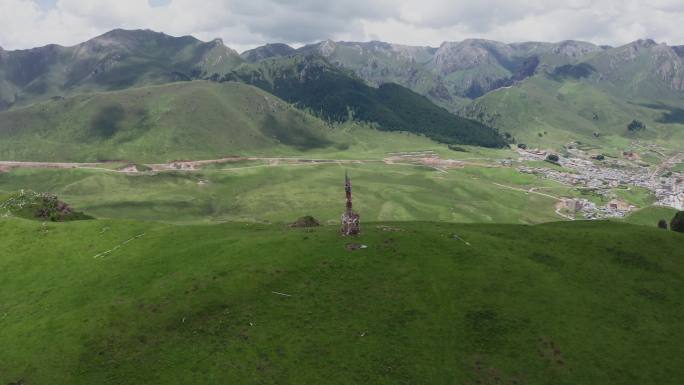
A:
(475, 91)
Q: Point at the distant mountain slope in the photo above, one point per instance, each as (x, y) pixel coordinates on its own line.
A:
(549, 111)
(642, 69)
(267, 51)
(594, 99)
(116, 60)
(187, 120)
(310, 81)
(454, 72)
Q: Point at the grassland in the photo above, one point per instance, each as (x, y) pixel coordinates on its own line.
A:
(255, 191)
(650, 216)
(562, 303)
(678, 167)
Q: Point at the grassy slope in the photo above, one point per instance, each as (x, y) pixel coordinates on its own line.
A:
(281, 194)
(188, 120)
(523, 110)
(188, 302)
(177, 121)
(312, 82)
(651, 215)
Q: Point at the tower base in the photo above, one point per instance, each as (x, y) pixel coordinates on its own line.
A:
(350, 224)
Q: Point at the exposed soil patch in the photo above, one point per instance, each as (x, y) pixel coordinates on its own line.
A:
(390, 228)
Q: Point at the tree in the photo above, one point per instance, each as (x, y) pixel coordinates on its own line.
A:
(677, 223)
(662, 224)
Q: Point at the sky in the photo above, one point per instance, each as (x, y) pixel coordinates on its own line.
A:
(244, 24)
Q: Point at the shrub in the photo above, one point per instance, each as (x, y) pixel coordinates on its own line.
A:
(662, 224)
(677, 223)
(453, 147)
(552, 158)
(636, 125)
(522, 146)
(306, 221)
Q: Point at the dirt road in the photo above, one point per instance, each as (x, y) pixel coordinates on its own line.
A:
(431, 160)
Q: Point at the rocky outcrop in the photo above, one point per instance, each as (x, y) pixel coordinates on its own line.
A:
(669, 66)
(469, 54)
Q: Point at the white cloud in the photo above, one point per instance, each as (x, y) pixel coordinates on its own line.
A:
(247, 23)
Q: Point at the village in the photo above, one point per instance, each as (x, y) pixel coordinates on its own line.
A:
(603, 176)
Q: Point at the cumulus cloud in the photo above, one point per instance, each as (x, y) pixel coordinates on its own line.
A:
(247, 23)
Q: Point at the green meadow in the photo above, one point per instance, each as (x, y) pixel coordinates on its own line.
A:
(130, 302)
(255, 191)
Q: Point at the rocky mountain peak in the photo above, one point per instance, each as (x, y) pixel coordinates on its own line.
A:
(470, 53)
(574, 48)
(646, 43)
(327, 47)
(678, 49)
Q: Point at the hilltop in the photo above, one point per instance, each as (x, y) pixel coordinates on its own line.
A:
(560, 303)
(186, 120)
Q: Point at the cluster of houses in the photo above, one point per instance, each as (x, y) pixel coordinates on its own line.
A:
(603, 177)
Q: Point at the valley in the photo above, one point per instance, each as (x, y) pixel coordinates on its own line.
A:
(416, 185)
(170, 212)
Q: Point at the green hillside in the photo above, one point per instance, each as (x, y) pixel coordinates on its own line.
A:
(589, 303)
(313, 83)
(640, 70)
(186, 120)
(257, 191)
(547, 111)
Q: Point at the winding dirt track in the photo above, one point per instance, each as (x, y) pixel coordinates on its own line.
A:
(181, 165)
(191, 165)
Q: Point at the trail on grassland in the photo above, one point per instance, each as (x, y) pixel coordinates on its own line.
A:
(410, 158)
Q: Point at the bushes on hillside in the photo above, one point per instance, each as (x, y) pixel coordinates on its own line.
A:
(553, 158)
(306, 221)
(636, 125)
(677, 223)
(42, 206)
(662, 224)
(453, 147)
